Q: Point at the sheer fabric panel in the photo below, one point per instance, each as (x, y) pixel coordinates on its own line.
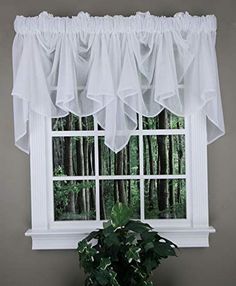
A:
(115, 68)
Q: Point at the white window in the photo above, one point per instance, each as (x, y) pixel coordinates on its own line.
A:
(161, 174)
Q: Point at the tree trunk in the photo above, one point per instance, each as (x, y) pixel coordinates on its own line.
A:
(86, 167)
(125, 172)
(68, 163)
(120, 183)
(162, 198)
(170, 185)
(81, 200)
(180, 157)
(109, 162)
(151, 166)
(115, 191)
(129, 173)
(144, 156)
(92, 191)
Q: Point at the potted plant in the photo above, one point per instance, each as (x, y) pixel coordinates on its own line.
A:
(124, 252)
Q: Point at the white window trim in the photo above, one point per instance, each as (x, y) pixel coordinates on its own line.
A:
(48, 234)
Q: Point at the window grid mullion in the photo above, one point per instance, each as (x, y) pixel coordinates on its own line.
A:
(141, 182)
(118, 177)
(96, 158)
(133, 133)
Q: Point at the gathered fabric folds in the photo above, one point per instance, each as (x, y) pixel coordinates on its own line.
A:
(115, 68)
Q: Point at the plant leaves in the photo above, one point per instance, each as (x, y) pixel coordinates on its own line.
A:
(124, 252)
(92, 235)
(164, 249)
(113, 280)
(150, 235)
(120, 215)
(138, 226)
(150, 264)
(102, 277)
(131, 239)
(111, 239)
(133, 254)
(106, 224)
(148, 246)
(104, 263)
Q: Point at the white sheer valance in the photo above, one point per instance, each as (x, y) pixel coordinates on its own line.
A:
(115, 68)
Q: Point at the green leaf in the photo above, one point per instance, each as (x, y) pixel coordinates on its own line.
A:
(164, 249)
(92, 235)
(150, 264)
(108, 231)
(148, 246)
(133, 254)
(170, 243)
(102, 277)
(148, 283)
(87, 254)
(111, 239)
(82, 246)
(138, 226)
(120, 215)
(113, 280)
(105, 262)
(106, 224)
(131, 239)
(150, 235)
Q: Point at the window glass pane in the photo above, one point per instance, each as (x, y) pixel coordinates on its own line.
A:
(100, 128)
(164, 120)
(125, 191)
(165, 199)
(73, 156)
(126, 162)
(72, 122)
(164, 154)
(74, 200)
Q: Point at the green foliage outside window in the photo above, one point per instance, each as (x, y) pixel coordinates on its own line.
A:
(162, 155)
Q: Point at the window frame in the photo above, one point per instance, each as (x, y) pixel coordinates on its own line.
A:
(49, 234)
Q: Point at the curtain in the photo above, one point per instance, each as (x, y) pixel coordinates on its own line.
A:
(113, 68)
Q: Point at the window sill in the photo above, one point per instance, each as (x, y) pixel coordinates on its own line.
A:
(68, 239)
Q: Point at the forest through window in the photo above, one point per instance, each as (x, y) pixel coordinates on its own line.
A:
(149, 174)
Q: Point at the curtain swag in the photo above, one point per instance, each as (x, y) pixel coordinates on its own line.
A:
(115, 68)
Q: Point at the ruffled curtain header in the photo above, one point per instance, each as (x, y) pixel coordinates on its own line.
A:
(115, 68)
